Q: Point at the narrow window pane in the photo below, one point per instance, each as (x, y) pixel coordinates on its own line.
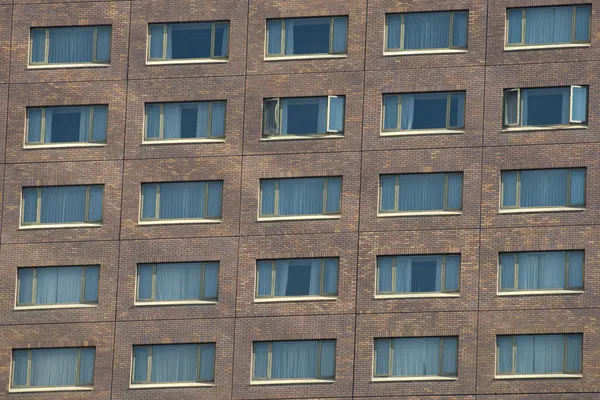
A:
(390, 112)
(574, 351)
(385, 280)
(25, 286)
(218, 120)
(525, 354)
(426, 30)
(86, 366)
(505, 354)
(340, 32)
(215, 199)
(38, 46)
(274, 37)
(178, 281)
(99, 124)
(71, 45)
(303, 196)
(261, 360)
(509, 189)
(30, 204)
(211, 280)
(449, 356)
(334, 195)
(292, 360)
(455, 191)
(394, 23)
(545, 106)
(103, 43)
(382, 357)
(424, 111)
(156, 41)
(578, 187)
(511, 107)
(207, 363)
(181, 200)
(140, 366)
(457, 110)
(152, 121)
(307, 36)
(460, 28)
(34, 127)
(336, 114)
(20, 361)
(507, 271)
(388, 192)
(54, 367)
(330, 276)
(221, 39)
(92, 275)
(579, 104)
(145, 282)
(452, 273)
(265, 278)
(515, 26)
(270, 118)
(576, 269)
(421, 192)
(149, 201)
(267, 197)
(582, 24)
(95, 205)
(327, 359)
(188, 40)
(544, 188)
(174, 363)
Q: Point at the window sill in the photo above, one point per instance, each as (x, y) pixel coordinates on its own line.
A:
(299, 218)
(418, 214)
(416, 296)
(291, 382)
(539, 376)
(418, 132)
(181, 221)
(539, 210)
(75, 65)
(181, 141)
(306, 57)
(61, 145)
(294, 298)
(414, 378)
(188, 61)
(543, 128)
(424, 52)
(547, 46)
(300, 137)
(51, 389)
(539, 292)
(59, 226)
(169, 385)
(54, 307)
(173, 303)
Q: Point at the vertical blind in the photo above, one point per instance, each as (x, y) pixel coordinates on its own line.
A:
(421, 192)
(182, 200)
(418, 274)
(199, 120)
(178, 281)
(57, 285)
(81, 44)
(423, 31)
(300, 36)
(297, 277)
(62, 204)
(190, 40)
(84, 124)
(300, 196)
(440, 110)
(173, 363)
(303, 116)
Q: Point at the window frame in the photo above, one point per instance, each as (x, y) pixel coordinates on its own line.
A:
(518, 189)
(161, 138)
(47, 46)
(515, 256)
(43, 126)
(150, 347)
(38, 222)
(270, 361)
(523, 10)
(191, 60)
(29, 367)
(276, 200)
(394, 290)
(416, 131)
(282, 49)
(273, 262)
(514, 355)
(387, 49)
(390, 341)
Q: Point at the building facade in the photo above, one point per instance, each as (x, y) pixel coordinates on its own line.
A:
(293, 199)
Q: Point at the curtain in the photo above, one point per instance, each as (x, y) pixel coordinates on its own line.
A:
(95, 205)
(274, 44)
(149, 201)
(574, 344)
(201, 119)
(449, 356)
(515, 26)
(181, 200)
(48, 126)
(327, 359)
(153, 121)
(265, 278)
(408, 111)
(172, 121)
(426, 30)
(315, 277)
(460, 29)
(58, 285)
(548, 25)
(540, 354)
(19, 372)
(178, 281)
(64, 133)
(505, 354)
(218, 119)
(544, 188)
(84, 124)
(261, 360)
(382, 357)
(174, 363)
(99, 124)
(388, 193)
(267, 198)
(390, 112)
(71, 45)
(509, 189)
(63, 204)
(92, 275)
(221, 45)
(140, 366)
(301, 196)
(294, 360)
(25, 286)
(156, 41)
(281, 277)
(53, 367)
(330, 276)
(145, 282)
(340, 33)
(416, 357)
(215, 199)
(452, 273)
(336, 114)
(457, 110)
(103, 43)
(454, 195)
(334, 195)
(384, 283)
(393, 34)
(38, 47)
(507, 271)
(403, 274)
(576, 269)
(211, 280)
(542, 270)
(207, 362)
(34, 128)
(420, 192)
(289, 36)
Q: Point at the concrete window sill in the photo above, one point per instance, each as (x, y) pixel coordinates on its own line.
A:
(538, 292)
(55, 307)
(414, 378)
(539, 376)
(77, 65)
(306, 57)
(538, 210)
(173, 303)
(300, 137)
(169, 385)
(60, 226)
(299, 218)
(52, 389)
(423, 52)
(181, 222)
(181, 141)
(514, 129)
(547, 46)
(419, 132)
(418, 214)
(291, 382)
(294, 299)
(61, 145)
(188, 61)
(416, 296)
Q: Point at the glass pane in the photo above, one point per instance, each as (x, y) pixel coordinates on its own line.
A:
(71, 45)
(188, 40)
(450, 356)
(103, 43)
(63, 204)
(390, 112)
(544, 188)
(546, 25)
(394, 23)
(424, 111)
(174, 363)
(421, 192)
(86, 366)
(30, 204)
(515, 26)
(511, 107)
(265, 278)
(525, 354)
(298, 277)
(426, 30)
(574, 352)
(261, 360)
(454, 191)
(217, 119)
(270, 117)
(330, 276)
(304, 115)
(334, 195)
(419, 274)
(20, 360)
(336, 114)
(140, 366)
(181, 200)
(156, 41)
(178, 281)
(152, 121)
(145, 282)
(92, 275)
(215, 199)
(385, 267)
(58, 285)
(25, 286)
(307, 36)
(416, 357)
(302, 196)
(578, 187)
(267, 188)
(579, 104)
(221, 39)
(211, 280)
(452, 273)
(34, 127)
(38, 45)
(545, 106)
(54, 367)
(505, 354)
(548, 354)
(294, 360)
(274, 29)
(509, 189)
(457, 110)
(507, 271)
(99, 124)
(541, 270)
(95, 206)
(67, 124)
(460, 28)
(148, 201)
(327, 359)
(382, 357)
(207, 363)
(340, 33)
(576, 269)
(388, 192)
(582, 23)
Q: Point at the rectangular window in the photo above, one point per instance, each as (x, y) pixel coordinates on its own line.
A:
(304, 116)
(548, 25)
(181, 200)
(176, 121)
(188, 41)
(70, 45)
(539, 354)
(418, 274)
(420, 192)
(542, 270)
(174, 363)
(62, 205)
(297, 277)
(423, 111)
(544, 188)
(546, 106)
(427, 31)
(300, 196)
(57, 367)
(301, 359)
(178, 281)
(418, 356)
(72, 124)
(57, 285)
(307, 36)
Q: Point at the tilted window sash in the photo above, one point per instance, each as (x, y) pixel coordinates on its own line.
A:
(160, 40)
(70, 45)
(62, 205)
(394, 274)
(280, 36)
(432, 30)
(68, 285)
(165, 121)
(91, 129)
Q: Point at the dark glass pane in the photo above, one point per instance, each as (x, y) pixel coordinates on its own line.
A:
(429, 112)
(298, 283)
(65, 127)
(545, 106)
(307, 36)
(188, 41)
(189, 122)
(424, 275)
(301, 116)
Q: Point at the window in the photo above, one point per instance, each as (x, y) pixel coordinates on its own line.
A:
(175, 121)
(188, 41)
(304, 116)
(419, 356)
(539, 354)
(57, 285)
(307, 36)
(423, 111)
(177, 282)
(546, 106)
(300, 196)
(174, 363)
(58, 367)
(421, 192)
(418, 274)
(83, 124)
(182, 200)
(542, 270)
(427, 31)
(62, 205)
(543, 188)
(70, 45)
(548, 25)
(297, 277)
(302, 359)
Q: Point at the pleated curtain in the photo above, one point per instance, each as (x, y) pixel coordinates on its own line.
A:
(426, 31)
(178, 281)
(54, 367)
(544, 188)
(301, 196)
(546, 25)
(58, 285)
(294, 360)
(63, 204)
(71, 45)
(181, 200)
(416, 357)
(174, 363)
(419, 192)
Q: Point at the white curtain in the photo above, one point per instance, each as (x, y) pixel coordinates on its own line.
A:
(173, 120)
(294, 360)
(544, 188)
(420, 192)
(542, 270)
(393, 35)
(63, 204)
(289, 36)
(53, 367)
(426, 30)
(174, 363)
(181, 200)
(548, 25)
(301, 196)
(58, 285)
(403, 274)
(416, 357)
(511, 107)
(70, 45)
(281, 277)
(408, 111)
(178, 281)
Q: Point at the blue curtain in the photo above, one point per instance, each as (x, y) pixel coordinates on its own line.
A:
(178, 281)
(390, 113)
(30, 199)
(177, 123)
(507, 271)
(330, 276)
(174, 363)
(38, 46)
(92, 276)
(54, 367)
(515, 26)
(545, 25)
(426, 30)
(156, 41)
(296, 359)
(394, 23)
(19, 372)
(218, 119)
(582, 23)
(544, 188)
(86, 366)
(340, 33)
(95, 204)
(62, 204)
(302, 196)
(509, 189)
(457, 110)
(540, 354)
(574, 352)
(416, 357)
(210, 281)
(152, 121)
(103, 43)
(576, 269)
(505, 354)
(71, 45)
(388, 192)
(454, 196)
(382, 357)
(140, 364)
(265, 278)
(268, 189)
(421, 192)
(452, 273)
(580, 108)
(449, 355)
(145, 282)
(274, 33)
(327, 359)
(181, 200)
(34, 127)
(99, 124)
(25, 286)
(543, 270)
(385, 267)
(58, 285)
